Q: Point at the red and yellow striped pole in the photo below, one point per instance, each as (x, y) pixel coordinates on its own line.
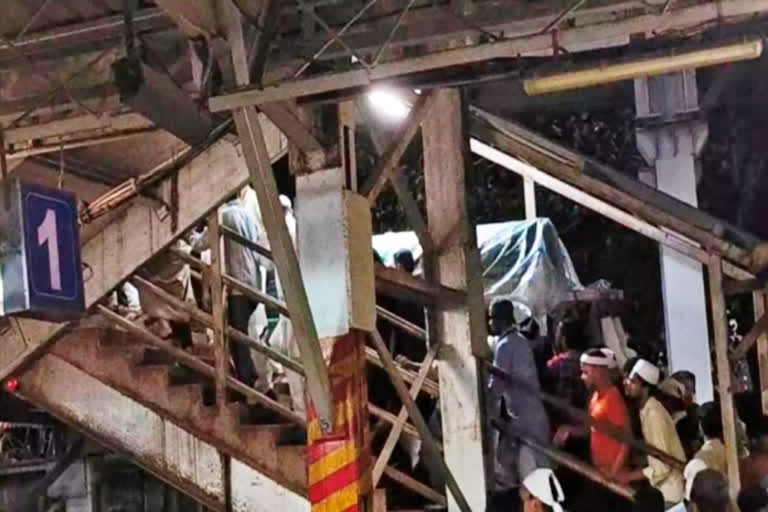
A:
(339, 462)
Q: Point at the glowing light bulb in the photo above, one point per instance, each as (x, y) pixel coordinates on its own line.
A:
(388, 104)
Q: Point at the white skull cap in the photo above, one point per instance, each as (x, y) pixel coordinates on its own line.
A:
(542, 483)
(648, 372)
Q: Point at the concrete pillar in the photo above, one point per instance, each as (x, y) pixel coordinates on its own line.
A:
(334, 233)
(461, 330)
(670, 137)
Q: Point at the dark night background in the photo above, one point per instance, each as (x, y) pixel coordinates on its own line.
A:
(601, 124)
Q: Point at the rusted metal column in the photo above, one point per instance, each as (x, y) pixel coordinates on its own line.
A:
(462, 328)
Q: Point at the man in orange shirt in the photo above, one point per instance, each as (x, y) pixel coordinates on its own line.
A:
(606, 405)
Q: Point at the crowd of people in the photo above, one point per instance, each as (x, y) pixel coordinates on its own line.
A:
(683, 464)
(678, 461)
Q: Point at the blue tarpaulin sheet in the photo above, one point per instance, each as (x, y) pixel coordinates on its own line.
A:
(524, 261)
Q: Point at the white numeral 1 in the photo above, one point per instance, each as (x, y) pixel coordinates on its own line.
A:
(46, 232)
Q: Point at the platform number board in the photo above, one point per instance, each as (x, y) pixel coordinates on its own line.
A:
(52, 247)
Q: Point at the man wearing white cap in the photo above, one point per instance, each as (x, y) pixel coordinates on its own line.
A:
(542, 492)
(658, 431)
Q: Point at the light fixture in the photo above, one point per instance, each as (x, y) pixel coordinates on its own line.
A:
(644, 67)
(388, 104)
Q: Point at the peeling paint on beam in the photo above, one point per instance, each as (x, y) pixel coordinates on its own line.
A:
(581, 37)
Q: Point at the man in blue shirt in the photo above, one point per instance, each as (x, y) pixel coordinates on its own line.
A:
(524, 410)
(242, 264)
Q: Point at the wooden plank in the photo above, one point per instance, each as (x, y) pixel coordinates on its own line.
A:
(736, 286)
(581, 36)
(759, 299)
(134, 236)
(720, 330)
(402, 417)
(219, 314)
(431, 449)
(415, 485)
(462, 331)
(391, 156)
(286, 118)
(400, 284)
(749, 339)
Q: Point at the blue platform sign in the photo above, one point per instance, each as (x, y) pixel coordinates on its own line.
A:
(41, 269)
(52, 245)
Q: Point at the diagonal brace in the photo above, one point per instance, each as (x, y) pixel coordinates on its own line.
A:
(430, 445)
(376, 182)
(402, 417)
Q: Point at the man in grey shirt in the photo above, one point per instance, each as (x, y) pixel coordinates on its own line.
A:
(524, 411)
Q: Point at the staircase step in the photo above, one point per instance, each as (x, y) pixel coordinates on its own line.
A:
(154, 356)
(152, 377)
(180, 375)
(285, 434)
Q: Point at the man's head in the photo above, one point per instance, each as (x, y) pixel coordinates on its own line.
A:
(541, 492)
(687, 379)
(711, 421)
(501, 317)
(641, 380)
(710, 492)
(753, 499)
(596, 367)
(404, 261)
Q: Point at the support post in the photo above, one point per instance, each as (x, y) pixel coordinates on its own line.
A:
(529, 195)
(218, 310)
(462, 329)
(671, 140)
(759, 299)
(347, 111)
(720, 328)
(335, 255)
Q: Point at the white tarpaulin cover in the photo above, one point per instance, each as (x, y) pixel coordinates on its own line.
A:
(523, 260)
